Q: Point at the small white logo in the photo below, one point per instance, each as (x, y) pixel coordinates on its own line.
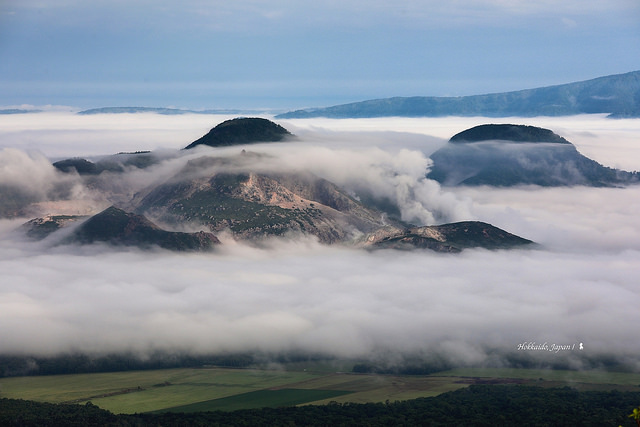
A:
(581, 346)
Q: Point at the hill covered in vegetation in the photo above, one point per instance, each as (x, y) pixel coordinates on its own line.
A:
(507, 154)
(242, 131)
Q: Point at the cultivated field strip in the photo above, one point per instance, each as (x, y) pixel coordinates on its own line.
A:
(227, 389)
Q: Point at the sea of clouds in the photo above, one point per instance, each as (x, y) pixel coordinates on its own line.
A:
(579, 286)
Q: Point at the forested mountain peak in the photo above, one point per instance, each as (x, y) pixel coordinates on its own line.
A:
(508, 132)
(242, 130)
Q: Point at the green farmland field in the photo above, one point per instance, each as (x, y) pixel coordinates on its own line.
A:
(142, 391)
(191, 389)
(260, 398)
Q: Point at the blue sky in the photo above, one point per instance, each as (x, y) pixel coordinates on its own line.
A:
(286, 54)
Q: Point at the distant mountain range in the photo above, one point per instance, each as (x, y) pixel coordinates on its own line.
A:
(135, 110)
(165, 111)
(617, 95)
(18, 111)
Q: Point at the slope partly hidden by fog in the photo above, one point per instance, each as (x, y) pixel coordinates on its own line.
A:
(580, 285)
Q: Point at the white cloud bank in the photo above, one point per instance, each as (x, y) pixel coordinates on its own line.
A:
(301, 296)
(579, 286)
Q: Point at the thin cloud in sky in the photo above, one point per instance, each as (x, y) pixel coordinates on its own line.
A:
(218, 54)
(245, 14)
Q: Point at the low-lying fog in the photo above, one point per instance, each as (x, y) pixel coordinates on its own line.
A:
(580, 286)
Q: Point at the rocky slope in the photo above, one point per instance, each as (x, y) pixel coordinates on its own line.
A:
(452, 237)
(42, 227)
(508, 154)
(258, 204)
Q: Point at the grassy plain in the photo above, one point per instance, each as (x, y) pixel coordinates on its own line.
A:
(259, 398)
(568, 377)
(142, 391)
(227, 389)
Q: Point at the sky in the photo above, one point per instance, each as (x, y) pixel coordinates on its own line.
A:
(475, 308)
(287, 54)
